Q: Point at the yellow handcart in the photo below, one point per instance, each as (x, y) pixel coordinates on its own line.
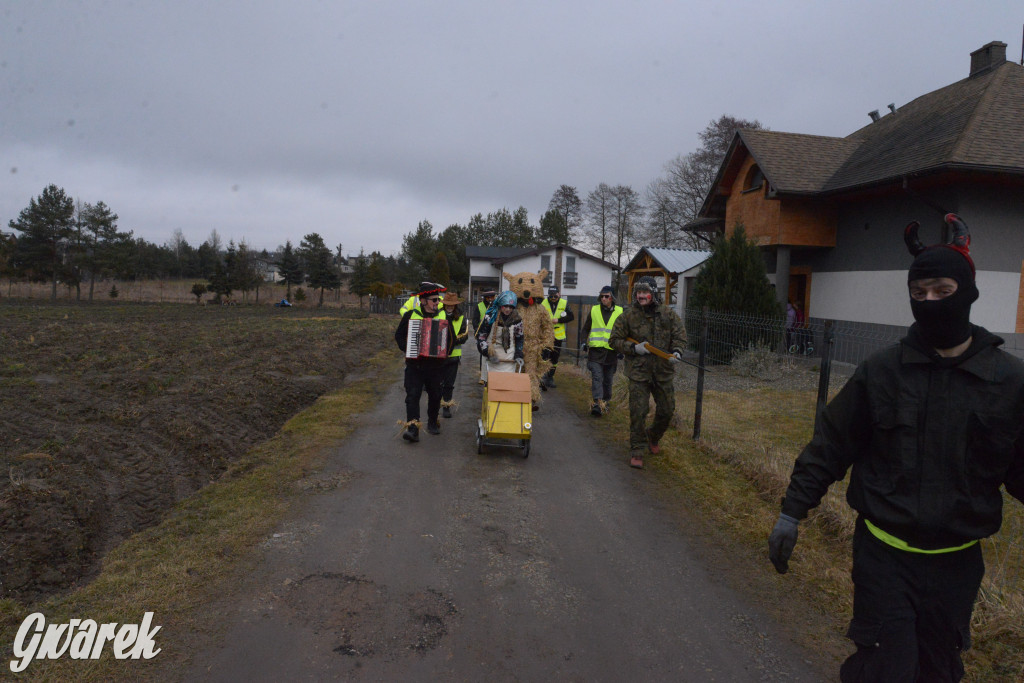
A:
(506, 413)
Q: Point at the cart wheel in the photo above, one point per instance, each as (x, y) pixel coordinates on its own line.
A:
(526, 448)
(479, 443)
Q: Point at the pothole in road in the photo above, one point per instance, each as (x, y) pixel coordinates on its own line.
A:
(361, 618)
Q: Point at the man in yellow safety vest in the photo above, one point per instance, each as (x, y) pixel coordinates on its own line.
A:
(602, 360)
(414, 300)
(459, 330)
(560, 314)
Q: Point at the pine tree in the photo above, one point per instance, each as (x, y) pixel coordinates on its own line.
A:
(47, 224)
(360, 282)
(733, 280)
(290, 268)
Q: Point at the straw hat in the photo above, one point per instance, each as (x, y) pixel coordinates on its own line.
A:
(451, 299)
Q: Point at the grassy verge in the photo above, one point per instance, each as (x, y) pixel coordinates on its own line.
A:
(735, 476)
(174, 568)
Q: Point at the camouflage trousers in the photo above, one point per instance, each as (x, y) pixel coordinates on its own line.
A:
(639, 405)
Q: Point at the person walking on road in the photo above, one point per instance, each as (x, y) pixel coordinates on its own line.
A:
(422, 373)
(931, 427)
(478, 318)
(500, 337)
(643, 329)
(602, 360)
(557, 308)
(459, 330)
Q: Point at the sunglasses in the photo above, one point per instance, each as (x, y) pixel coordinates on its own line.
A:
(606, 296)
(435, 299)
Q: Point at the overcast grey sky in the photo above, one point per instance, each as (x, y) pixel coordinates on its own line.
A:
(357, 119)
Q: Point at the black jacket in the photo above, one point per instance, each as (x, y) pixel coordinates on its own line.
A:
(930, 441)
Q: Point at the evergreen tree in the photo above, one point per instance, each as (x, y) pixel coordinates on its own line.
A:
(47, 224)
(553, 229)
(439, 270)
(733, 280)
(322, 273)
(290, 268)
(360, 282)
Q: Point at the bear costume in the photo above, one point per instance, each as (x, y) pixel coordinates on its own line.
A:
(538, 330)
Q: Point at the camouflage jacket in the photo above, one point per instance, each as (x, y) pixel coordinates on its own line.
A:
(661, 327)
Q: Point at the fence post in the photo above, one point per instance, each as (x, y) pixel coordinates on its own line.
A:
(698, 407)
(579, 328)
(828, 337)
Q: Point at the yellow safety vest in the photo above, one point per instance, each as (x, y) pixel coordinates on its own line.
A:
(559, 308)
(600, 334)
(414, 302)
(457, 330)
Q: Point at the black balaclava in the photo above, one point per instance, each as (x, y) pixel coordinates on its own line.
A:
(944, 323)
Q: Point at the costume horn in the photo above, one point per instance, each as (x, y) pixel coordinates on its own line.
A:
(912, 240)
(961, 235)
(961, 240)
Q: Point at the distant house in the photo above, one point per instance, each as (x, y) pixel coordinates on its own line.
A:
(575, 271)
(829, 213)
(267, 269)
(673, 269)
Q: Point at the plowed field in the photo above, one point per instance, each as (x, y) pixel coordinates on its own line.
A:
(110, 413)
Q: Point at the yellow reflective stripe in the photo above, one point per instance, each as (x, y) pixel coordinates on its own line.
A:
(900, 544)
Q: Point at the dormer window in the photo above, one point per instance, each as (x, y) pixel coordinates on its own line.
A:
(755, 179)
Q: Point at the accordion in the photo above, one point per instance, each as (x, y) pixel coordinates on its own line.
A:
(427, 338)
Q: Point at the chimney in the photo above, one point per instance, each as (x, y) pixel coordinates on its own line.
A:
(988, 57)
(874, 115)
(892, 107)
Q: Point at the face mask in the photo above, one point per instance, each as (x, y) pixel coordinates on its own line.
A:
(945, 323)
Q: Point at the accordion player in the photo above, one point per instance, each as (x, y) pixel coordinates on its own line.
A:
(427, 338)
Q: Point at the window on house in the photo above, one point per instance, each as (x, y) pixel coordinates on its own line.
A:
(754, 179)
(545, 264)
(569, 277)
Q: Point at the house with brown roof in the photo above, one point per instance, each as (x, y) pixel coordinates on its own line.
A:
(829, 213)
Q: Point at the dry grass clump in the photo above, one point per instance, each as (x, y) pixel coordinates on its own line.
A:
(761, 362)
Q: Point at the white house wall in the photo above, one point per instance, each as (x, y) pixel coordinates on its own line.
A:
(881, 297)
(591, 275)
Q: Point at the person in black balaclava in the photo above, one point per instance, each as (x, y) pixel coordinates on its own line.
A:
(942, 289)
(931, 427)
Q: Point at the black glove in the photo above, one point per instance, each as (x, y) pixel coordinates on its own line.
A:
(545, 354)
(782, 542)
(584, 347)
(481, 346)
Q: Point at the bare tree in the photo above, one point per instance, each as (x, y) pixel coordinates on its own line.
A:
(627, 220)
(597, 230)
(688, 177)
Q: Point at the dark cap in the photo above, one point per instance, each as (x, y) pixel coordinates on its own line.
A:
(552, 290)
(607, 289)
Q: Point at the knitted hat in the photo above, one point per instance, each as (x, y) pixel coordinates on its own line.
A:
(607, 289)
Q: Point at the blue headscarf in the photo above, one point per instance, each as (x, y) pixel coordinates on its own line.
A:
(506, 298)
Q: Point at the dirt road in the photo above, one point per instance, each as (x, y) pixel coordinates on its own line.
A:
(430, 562)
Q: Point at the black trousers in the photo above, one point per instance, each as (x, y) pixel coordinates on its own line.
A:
(451, 371)
(417, 379)
(556, 351)
(911, 611)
